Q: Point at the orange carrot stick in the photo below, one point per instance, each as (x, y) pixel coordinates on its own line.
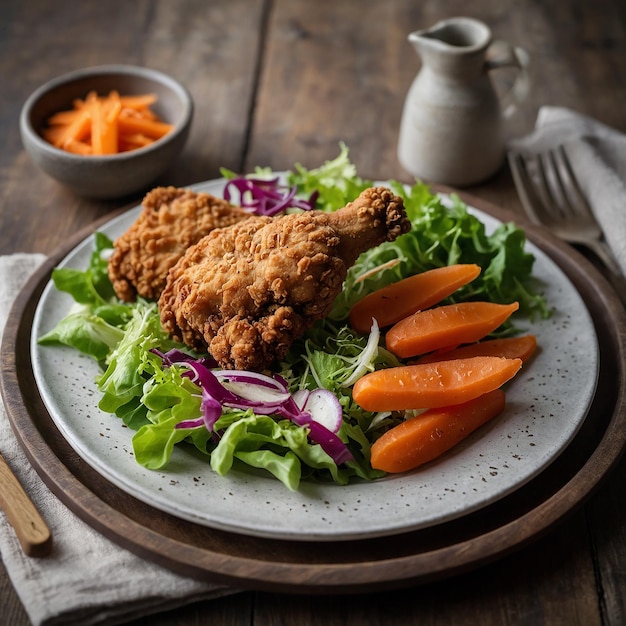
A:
(150, 128)
(432, 385)
(54, 135)
(78, 147)
(111, 108)
(93, 126)
(103, 124)
(509, 347)
(421, 291)
(132, 142)
(79, 103)
(427, 436)
(139, 102)
(77, 130)
(446, 326)
(64, 117)
(94, 107)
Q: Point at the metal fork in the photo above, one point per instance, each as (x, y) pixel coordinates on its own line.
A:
(551, 197)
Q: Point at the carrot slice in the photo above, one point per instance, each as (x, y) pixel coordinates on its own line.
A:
(64, 117)
(131, 142)
(139, 102)
(509, 347)
(446, 326)
(77, 130)
(78, 147)
(111, 108)
(421, 291)
(427, 436)
(54, 135)
(432, 385)
(94, 108)
(131, 125)
(106, 125)
(142, 114)
(79, 103)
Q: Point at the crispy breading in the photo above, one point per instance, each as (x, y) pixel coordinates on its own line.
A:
(171, 220)
(246, 292)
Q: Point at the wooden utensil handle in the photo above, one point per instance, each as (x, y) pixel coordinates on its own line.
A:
(31, 530)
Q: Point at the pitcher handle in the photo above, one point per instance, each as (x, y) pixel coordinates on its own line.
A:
(502, 54)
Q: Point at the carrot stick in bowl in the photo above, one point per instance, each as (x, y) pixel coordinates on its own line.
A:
(102, 125)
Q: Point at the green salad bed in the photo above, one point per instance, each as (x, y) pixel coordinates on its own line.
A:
(170, 395)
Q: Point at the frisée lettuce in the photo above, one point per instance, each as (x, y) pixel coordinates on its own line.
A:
(170, 395)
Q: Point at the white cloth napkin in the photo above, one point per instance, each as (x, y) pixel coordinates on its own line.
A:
(87, 579)
(597, 154)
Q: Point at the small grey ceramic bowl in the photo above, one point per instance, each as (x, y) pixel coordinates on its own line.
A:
(110, 176)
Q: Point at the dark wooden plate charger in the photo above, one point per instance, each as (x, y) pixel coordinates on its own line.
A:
(353, 566)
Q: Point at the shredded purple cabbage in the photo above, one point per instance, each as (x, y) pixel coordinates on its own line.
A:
(266, 197)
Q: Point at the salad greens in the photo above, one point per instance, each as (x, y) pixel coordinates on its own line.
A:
(441, 235)
(169, 395)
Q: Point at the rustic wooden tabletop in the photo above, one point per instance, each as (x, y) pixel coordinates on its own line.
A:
(282, 81)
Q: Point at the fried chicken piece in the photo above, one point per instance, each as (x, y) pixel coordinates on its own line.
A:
(246, 292)
(171, 220)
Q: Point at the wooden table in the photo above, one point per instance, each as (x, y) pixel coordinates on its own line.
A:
(282, 81)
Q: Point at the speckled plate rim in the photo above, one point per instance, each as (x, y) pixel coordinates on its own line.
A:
(534, 430)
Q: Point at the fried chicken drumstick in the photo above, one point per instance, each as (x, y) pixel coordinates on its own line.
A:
(246, 292)
(171, 220)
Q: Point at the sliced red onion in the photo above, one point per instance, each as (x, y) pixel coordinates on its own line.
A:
(211, 410)
(195, 423)
(319, 410)
(209, 382)
(266, 196)
(176, 356)
(330, 443)
(300, 397)
(293, 412)
(253, 378)
(257, 393)
(324, 408)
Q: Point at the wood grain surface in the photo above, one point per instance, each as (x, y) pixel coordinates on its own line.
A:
(281, 81)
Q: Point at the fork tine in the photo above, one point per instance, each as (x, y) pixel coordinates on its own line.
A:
(551, 197)
(548, 185)
(579, 205)
(553, 175)
(572, 192)
(525, 186)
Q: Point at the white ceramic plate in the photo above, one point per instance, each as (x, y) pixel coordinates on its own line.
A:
(546, 404)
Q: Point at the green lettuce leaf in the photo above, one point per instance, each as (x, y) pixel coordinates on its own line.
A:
(91, 286)
(336, 181)
(131, 363)
(85, 332)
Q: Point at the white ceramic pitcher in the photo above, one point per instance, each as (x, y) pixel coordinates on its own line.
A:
(451, 130)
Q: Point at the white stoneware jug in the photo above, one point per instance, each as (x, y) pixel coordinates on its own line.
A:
(451, 130)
